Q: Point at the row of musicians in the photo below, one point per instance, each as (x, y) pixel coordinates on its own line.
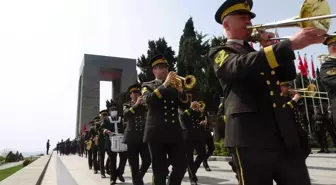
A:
(194, 122)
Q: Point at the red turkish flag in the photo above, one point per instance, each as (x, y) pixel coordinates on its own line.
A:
(313, 68)
(301, 67)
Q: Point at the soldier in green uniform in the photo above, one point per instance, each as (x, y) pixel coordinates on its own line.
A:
(135, 116)
(328, 74)
(259, 131)
(163, 131)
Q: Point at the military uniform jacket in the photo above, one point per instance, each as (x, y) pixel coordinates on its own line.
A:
(207, 129)
(254, 105)
(136, 120)
(190, 122)
(163, 123)
(328, 79)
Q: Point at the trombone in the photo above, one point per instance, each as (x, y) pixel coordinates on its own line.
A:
(313, 13)
(311, 92)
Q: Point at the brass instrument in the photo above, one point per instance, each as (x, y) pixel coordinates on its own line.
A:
(324, 57)
(311, 92)
(96, 139)
(202, 105)
(187, 82)
(89, 145)
(313, 13)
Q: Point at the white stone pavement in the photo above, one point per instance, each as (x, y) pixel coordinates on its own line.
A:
(322, 168)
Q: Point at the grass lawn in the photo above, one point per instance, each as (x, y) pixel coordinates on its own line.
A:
(9, 171)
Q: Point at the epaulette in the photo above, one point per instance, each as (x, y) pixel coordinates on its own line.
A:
(147, 85)
(187, 111)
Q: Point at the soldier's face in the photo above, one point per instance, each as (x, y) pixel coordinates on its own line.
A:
(284, 89)
(236, 26)
(160, 71)
(332, 49)
(135, 95)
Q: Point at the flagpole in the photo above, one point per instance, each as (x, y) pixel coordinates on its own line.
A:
(318, 89)
(305, 100)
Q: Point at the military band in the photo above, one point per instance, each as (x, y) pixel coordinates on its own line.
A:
(258, 115)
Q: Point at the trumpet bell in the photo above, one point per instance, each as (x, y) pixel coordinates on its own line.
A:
(189, 81)
(311, 90)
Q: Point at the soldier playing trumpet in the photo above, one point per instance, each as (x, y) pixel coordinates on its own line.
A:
(135, 116)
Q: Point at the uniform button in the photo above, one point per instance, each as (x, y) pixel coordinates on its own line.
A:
(268, 82)
(284, 105)
(273, 72)
(164, 101)
(166, 113)
(166, 120)
(165, 107)
(271, 93)
(173, 108)
(274, 105)
(278, 83)
(173, 121)
(172, 101)
(281, 94)
(173, 114)
(262, 73)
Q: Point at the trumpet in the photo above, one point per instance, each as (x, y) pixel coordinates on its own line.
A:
(311, 91)
(313, 13)
(187, 82)
(325, 57)
(202, 105)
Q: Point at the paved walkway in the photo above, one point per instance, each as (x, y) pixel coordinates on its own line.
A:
(9, 165)
(73, 170)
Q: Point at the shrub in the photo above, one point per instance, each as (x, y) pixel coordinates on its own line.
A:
(26, 162)
(220, 149)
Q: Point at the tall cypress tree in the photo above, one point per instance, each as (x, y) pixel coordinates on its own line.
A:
(159, 46)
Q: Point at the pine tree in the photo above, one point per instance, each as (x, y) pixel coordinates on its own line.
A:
(159, 46)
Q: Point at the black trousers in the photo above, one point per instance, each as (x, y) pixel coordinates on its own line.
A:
(102, 160)
(95, 159)
(133, 152)
(90, 157)
(193, 166)
(177, 157)
(114, 171)
(210, 145)
(322, 139)
(256, 166)
(47, 150)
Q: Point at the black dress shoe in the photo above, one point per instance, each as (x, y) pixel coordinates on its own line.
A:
(121, 178)
(113, 182)
(90, 168)
(95, 172)
(103, 176)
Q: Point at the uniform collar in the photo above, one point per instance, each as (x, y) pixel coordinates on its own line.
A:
(241, 42)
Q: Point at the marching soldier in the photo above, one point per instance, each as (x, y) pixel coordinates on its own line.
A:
(257, 124)
(163, 131)
(135, 114)
(94, 146)
(102, 144)
(208, 138)
(192, 127)
(328, 79)
(109, 129)
(320, 127)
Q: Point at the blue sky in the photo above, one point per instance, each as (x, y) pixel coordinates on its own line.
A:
(42, 44)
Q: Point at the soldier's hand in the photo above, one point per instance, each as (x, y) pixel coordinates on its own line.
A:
(179, 89)
(108, 132)
(264, 38)
(169, 78)
(296, 97)
(306, 37)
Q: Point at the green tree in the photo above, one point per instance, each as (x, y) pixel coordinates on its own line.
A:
(159, 46)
